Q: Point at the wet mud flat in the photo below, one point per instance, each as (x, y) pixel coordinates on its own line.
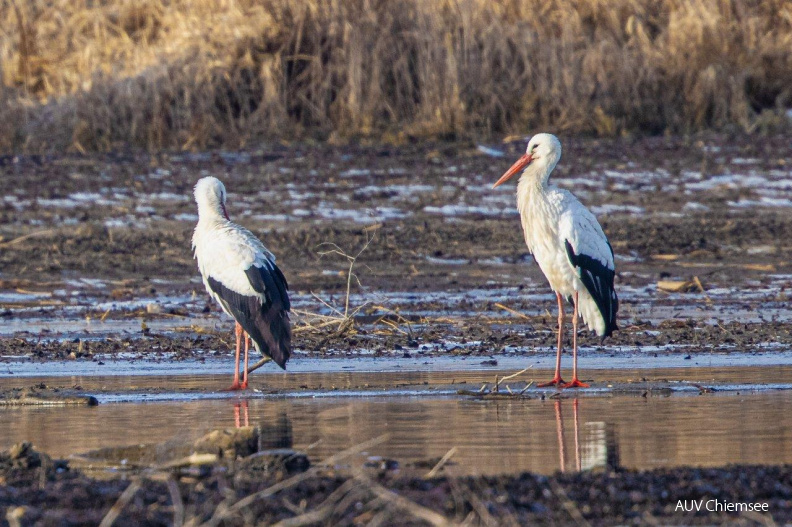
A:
(95, 253)
(232, 482)
(97, 279)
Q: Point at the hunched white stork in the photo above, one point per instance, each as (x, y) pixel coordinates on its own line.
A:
(241, 275)
(568, 244)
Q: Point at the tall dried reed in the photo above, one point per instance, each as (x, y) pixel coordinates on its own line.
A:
(96, 74)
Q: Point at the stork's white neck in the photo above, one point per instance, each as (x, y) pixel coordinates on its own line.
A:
(534, 177)
(210, 212)
(210, 208)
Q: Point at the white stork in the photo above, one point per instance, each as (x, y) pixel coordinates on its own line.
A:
(568, 244)
(241, 275)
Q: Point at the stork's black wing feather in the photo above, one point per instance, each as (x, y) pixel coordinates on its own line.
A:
(265, 316)
(598, 280)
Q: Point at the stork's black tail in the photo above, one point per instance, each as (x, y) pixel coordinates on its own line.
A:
(598, 280)
(269, 324)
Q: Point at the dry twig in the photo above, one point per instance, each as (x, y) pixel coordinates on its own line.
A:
(119, 505)
(224, 511)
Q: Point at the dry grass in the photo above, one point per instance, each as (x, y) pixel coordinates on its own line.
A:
(98, 74)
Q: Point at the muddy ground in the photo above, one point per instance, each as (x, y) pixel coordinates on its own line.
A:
(107, 238)
(228, 480)
(95, 264)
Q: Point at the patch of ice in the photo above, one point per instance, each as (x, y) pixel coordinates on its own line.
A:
(492, 261)
(781, 184)
(125, 222)
(460, 210)
(271, 217)
(618, 209)
(352, 172)
(399, 190)
(77, 199)
(632, 258)
(21, 297)
(185, 216)
(728, 181)
(326, 210)
(163, 196)
(299, 196)
(636, 176)
(492, 152)
(764, 201)
(695, 207)
(447, 261)
(579, 182)
(761, 249)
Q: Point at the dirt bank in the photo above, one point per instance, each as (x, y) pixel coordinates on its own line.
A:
(246, 489)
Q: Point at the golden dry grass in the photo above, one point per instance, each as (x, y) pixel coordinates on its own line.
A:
(97, 74)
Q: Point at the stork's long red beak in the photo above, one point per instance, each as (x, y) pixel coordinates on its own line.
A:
(516, 168)
(225, 212)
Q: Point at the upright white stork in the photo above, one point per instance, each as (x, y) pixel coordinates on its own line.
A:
(241, 275)
(568, 244)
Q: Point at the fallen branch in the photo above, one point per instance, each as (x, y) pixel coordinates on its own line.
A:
(119, 505)
(513, 312)
(443, 460)
(26, 237)
(400, 502)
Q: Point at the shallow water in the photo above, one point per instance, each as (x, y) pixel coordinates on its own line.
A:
(491, 437)
(773, 366)
(743, 421)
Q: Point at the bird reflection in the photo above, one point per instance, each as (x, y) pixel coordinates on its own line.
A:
(276, 432)
(273, 432)
(241, 414)
(599, 447)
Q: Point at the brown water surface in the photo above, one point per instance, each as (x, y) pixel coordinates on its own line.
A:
(490, 436)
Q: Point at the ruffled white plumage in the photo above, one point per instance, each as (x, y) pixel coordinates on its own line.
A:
(240, 274)
(551, 217)
(225, 251)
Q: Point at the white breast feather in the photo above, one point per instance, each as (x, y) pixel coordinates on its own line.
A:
(549, 219)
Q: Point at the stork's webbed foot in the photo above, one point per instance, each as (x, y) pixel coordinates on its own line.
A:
(576, 383)
(557, 381)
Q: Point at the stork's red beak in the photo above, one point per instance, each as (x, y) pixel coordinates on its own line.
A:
(516, 168)
(225, 212)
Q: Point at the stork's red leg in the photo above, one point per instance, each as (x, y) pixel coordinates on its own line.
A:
(245, 374)
(557, 380)
(238, 332)
(575, 381)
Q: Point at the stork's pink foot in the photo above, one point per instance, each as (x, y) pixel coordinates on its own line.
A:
(575, 384)
(237, 386)
(557, 381)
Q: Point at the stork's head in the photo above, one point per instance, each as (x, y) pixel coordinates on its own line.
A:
(210, 195)
(542, 154)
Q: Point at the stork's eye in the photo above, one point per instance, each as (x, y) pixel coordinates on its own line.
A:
(533, 147)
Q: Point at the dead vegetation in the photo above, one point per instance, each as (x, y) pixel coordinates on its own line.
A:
(253, 490)
(195, 73)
